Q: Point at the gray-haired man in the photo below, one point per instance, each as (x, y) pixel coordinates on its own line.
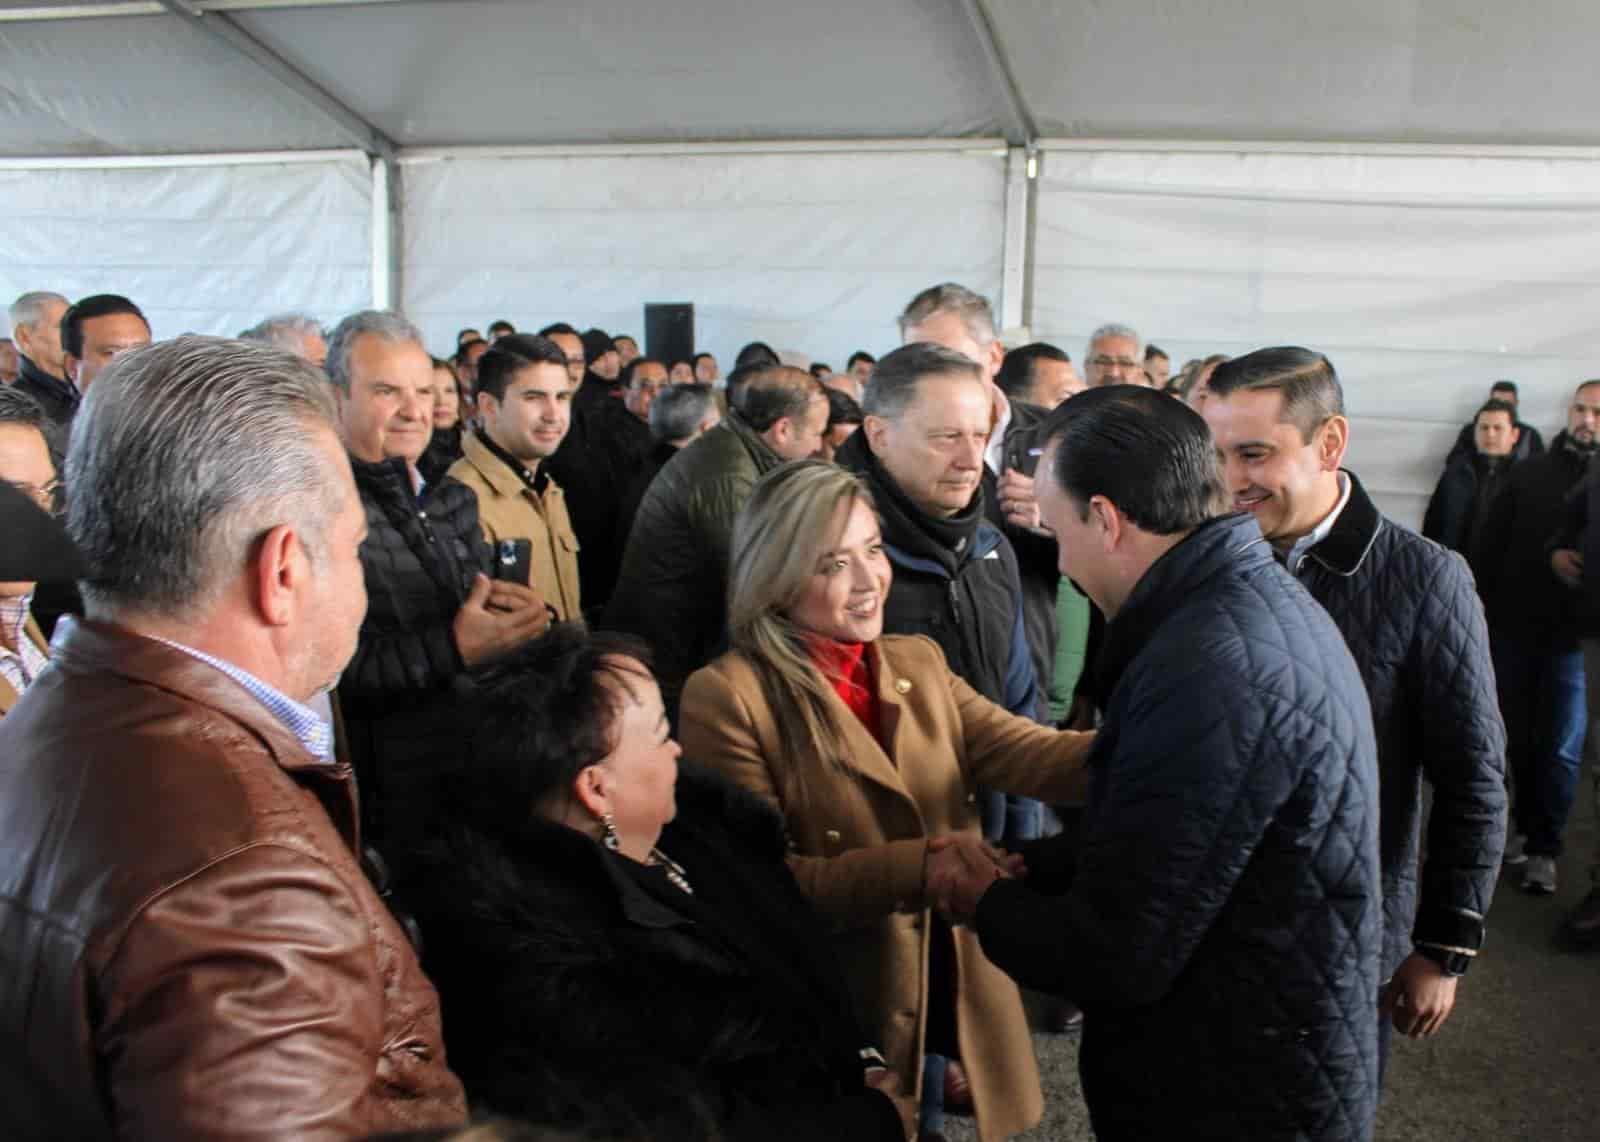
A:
(42, 374)
(1115, 356)
(193, 950)
(434, 612)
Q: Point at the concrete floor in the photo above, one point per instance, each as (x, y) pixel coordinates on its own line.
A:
(1518, 1061)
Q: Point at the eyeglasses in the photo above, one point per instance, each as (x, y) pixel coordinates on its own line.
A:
(47, 496)
(1104, 362)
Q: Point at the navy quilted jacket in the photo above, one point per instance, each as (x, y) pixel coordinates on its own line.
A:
(1413, 621)
(1221, 926)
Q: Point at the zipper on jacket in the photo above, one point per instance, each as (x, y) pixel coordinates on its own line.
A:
(955, 603)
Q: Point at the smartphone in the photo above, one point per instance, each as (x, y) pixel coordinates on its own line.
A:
(513, 560)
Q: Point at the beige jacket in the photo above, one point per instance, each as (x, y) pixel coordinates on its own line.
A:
(859, 843)
(509, 509)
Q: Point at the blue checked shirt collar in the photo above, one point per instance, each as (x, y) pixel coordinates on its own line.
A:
(304, 723)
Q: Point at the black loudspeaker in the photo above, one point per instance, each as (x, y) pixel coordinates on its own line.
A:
(669, 332)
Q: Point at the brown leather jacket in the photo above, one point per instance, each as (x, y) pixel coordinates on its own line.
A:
(188, 946)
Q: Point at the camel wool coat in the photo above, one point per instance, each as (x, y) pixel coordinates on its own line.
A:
(859, 839)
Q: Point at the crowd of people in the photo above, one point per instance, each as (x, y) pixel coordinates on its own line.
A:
(342, 688)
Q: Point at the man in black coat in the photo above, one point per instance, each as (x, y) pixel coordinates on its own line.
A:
(1414, 624)
(1460, 505)
(1529, 442)
(1575, 550)
(607, 446)
(432, 611)
(1535, 627)
(42, 373)
(1220, 919)
(959, 319)
(955, 575)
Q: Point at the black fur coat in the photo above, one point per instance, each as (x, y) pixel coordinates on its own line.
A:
(582, 991)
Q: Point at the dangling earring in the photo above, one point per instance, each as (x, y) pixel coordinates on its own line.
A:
(610, 840)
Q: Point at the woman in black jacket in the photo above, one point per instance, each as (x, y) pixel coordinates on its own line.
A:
(601, 932)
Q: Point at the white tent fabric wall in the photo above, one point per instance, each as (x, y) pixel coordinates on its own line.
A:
(202, 249)
(815, 252)
(1424, 277)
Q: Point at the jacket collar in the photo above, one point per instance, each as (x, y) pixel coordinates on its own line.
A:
(546, 843)
(64, 391)
(390, 478)
(1230, 542)
(1354, 532)
(494, 466)
(85, 646)
(760, 451)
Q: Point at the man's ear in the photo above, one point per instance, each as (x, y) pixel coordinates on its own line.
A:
(1332, 440)
(485, 405)
(71, 366)
(997, 356)
(877, 432)
(279, 571)
(1104, 512)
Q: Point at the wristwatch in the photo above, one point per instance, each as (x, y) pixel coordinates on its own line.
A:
(1453, 961)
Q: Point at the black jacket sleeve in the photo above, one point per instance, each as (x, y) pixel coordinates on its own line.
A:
(1171, 833)
(1463, 744)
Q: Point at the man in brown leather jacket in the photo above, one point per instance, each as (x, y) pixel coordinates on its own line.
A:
(188, 946)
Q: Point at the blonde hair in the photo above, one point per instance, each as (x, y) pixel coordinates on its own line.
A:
(778, 540)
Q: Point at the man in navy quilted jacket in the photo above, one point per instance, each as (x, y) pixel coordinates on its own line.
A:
(1219, 918)
(1414, 622)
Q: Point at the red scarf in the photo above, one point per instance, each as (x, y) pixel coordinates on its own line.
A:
(848, 669)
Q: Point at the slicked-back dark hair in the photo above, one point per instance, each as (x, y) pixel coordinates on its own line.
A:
(99, 305)
(498, 368)
(1504, 406)
(559, 327)
(1151, 456)
(756, 353)
(1019, 372)
(843, 409)
(1310, 387)
(625, 378)
(894, 382)
(1504, 387)
(537, 719)
(859, 355)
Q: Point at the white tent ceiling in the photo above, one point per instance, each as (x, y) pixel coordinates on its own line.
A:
(143, 77)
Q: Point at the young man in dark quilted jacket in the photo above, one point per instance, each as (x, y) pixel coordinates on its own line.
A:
(1415, 625)
(433, 613)
(1220, 916)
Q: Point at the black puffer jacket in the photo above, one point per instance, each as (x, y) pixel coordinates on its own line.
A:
(1520, 591)
(573, 982)
(1414, 624)
(673, 587)
(398, 693)
(1220, 919)
(970, 602)
(57, 399)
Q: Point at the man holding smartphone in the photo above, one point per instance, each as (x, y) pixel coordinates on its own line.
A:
(524, 410)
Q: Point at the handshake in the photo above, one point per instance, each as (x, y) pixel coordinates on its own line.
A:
(959, 868)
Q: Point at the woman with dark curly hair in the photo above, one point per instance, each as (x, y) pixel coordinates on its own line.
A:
(600, 929)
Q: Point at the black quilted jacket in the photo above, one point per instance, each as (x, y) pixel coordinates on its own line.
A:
(1414, 623)
(398, 693)
(1220, 921)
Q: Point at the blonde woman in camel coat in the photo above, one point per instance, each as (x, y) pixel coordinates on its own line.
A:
(873, 750)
